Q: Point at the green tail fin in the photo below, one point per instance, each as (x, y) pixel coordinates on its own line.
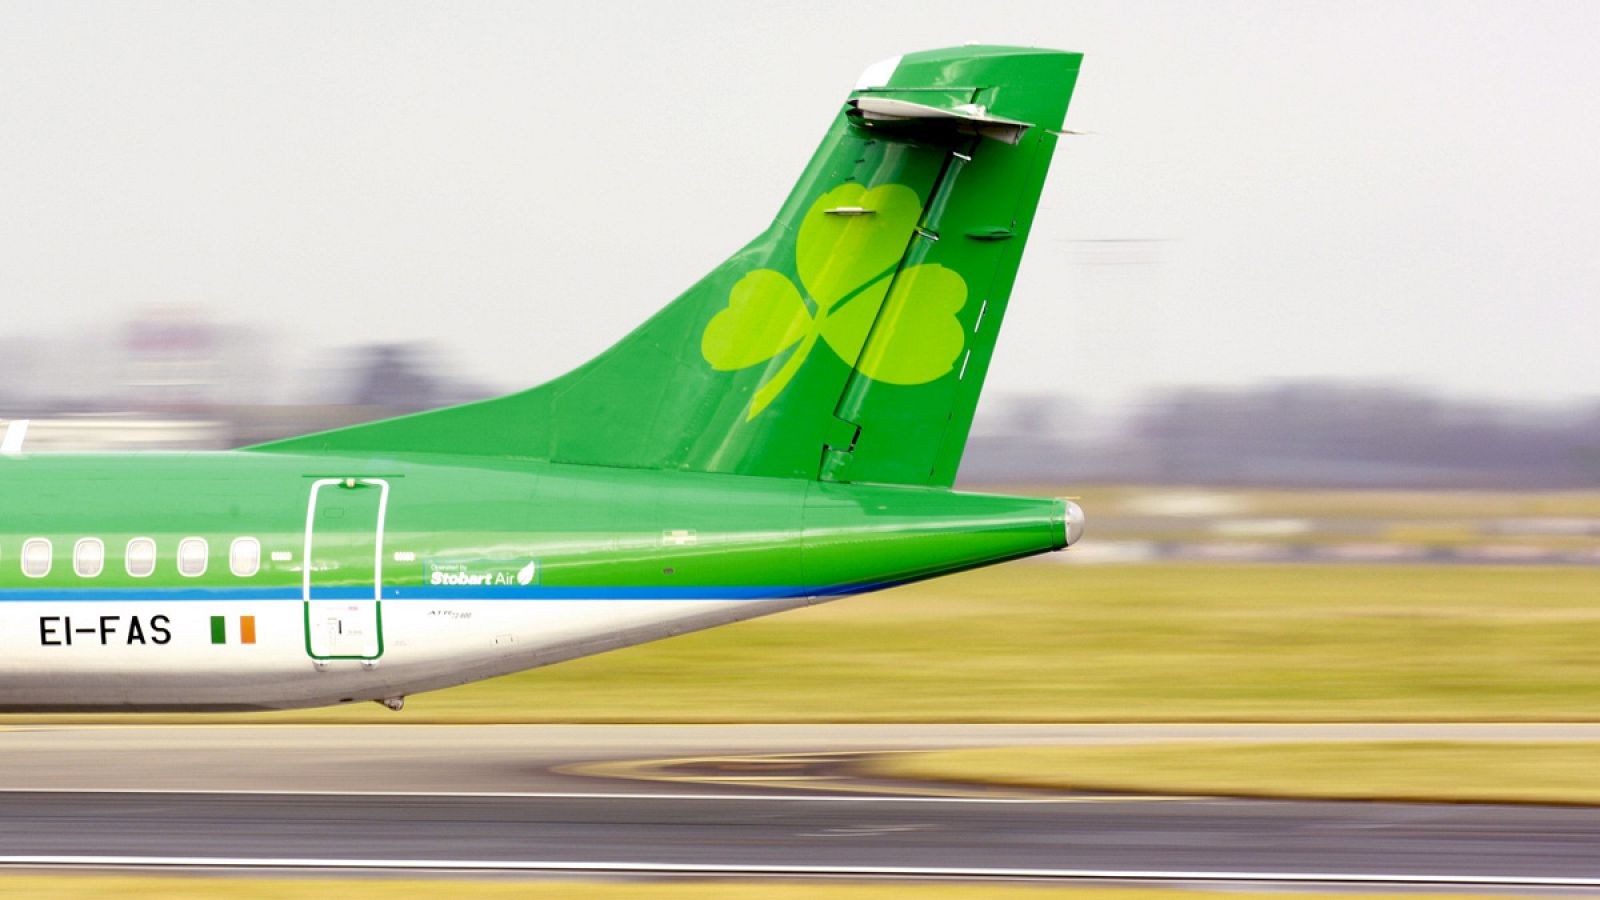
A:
(848, 342)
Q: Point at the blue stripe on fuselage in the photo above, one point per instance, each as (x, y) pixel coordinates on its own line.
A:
(428, 592)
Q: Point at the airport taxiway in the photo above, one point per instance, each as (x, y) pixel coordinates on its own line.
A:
(536, 799)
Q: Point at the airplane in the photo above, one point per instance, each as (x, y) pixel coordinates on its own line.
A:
(786, 432)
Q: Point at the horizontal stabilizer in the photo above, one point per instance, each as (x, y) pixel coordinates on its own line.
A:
(967, 118)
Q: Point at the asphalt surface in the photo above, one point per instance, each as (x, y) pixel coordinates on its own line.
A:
(1187, 836)
(228, 797)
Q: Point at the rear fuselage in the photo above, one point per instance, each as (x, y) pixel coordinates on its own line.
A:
(280, 580)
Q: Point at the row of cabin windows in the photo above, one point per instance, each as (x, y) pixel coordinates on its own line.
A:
(89, 557)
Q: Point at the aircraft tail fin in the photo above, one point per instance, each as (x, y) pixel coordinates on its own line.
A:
(848, 342)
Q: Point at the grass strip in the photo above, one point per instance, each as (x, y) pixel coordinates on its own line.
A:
(1550, 772)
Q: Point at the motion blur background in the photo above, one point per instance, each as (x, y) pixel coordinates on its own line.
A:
(1322, 246)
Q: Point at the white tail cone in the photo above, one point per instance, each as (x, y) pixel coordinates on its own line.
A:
(1075, 520)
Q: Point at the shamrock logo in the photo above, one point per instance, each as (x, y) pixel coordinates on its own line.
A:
(846, 265)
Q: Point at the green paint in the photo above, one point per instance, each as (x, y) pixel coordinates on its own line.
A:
(219, 630)
(847, 264)
(726, 378)
(588, 527)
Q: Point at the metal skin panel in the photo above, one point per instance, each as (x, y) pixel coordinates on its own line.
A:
(621, 556)
(783, 433)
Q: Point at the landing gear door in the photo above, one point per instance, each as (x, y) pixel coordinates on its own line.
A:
(343, 568)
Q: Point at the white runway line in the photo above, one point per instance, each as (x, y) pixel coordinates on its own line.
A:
(788, 871)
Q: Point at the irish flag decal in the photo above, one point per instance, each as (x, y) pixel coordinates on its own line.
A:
(224, 631)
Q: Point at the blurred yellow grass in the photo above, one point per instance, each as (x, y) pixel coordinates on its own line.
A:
(72, 887)
(1434, 771)
(1044, 642)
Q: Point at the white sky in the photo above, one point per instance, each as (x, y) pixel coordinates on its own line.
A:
(1352, 190)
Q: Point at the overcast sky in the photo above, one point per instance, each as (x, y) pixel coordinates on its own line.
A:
(1350, 190)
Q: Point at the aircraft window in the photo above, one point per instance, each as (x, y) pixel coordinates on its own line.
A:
(244, 557)
(140, 559)
(36, 557)
(88, 557)
(192, 557)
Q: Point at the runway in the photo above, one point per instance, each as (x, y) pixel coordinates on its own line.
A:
(516, 799)
(1192, 840)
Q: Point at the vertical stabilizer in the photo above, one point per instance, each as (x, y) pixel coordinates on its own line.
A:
(850, 341)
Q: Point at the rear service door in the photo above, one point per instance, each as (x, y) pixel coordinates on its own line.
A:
(343, 568)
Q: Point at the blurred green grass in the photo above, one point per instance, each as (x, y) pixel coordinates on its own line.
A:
(1043, 642)
(1428, 771)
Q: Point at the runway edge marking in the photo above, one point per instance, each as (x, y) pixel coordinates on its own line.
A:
(474, 865)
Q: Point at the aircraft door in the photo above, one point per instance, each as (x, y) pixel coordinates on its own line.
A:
(343, 568)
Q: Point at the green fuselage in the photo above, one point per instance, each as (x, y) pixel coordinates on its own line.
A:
(474, 568)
